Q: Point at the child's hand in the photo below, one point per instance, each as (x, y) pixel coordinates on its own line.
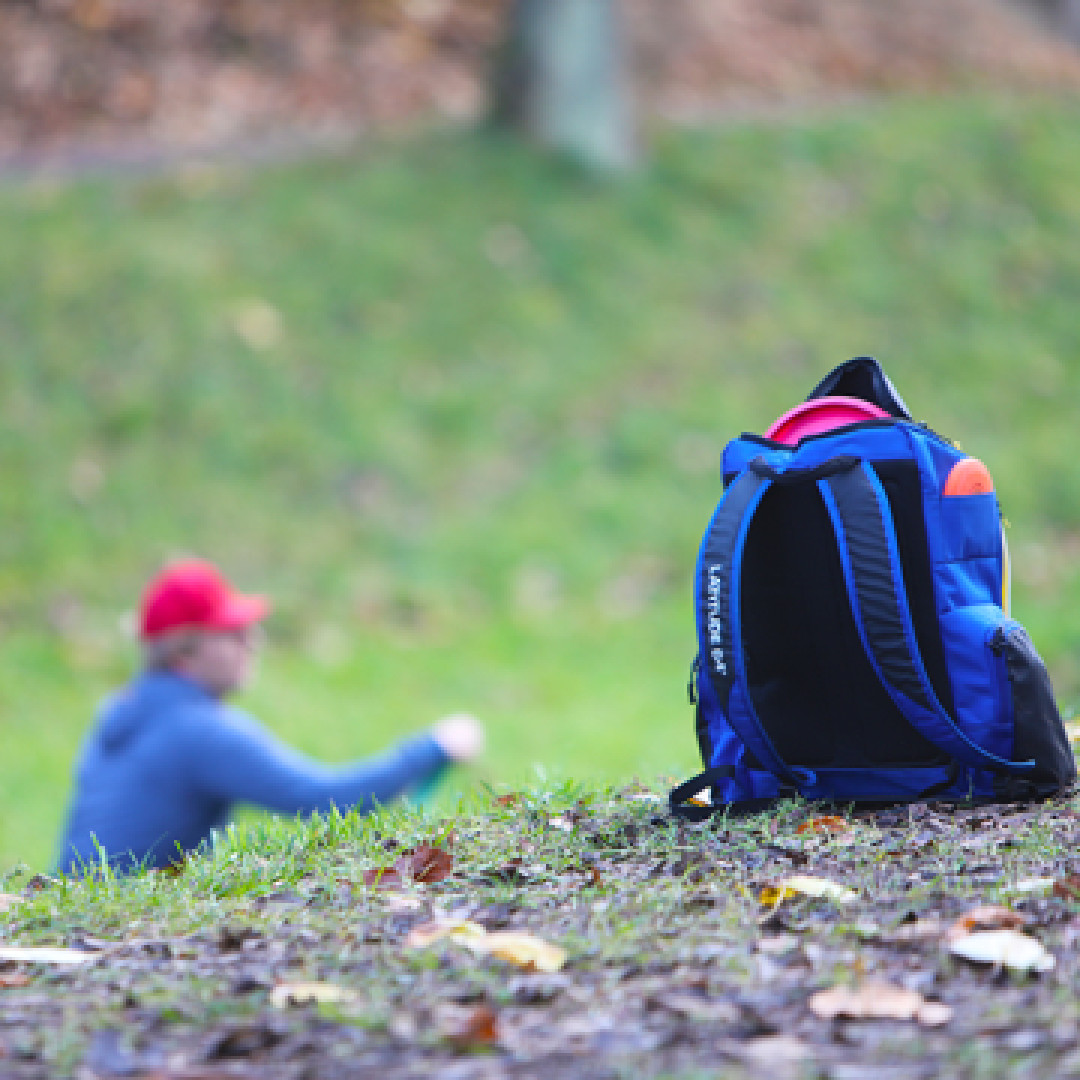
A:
(460, 735)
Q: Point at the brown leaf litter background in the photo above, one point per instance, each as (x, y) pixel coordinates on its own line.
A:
(205, 72)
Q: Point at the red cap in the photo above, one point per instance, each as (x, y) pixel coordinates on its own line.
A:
(194, 594)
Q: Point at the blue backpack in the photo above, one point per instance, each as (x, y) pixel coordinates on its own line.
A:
(853, 639)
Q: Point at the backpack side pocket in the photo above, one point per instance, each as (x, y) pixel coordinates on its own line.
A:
(1039, 732)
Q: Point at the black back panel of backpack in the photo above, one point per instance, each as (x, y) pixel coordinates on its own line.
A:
(812, 685)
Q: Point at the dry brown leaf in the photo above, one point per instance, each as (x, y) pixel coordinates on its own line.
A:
(425, 864)
(478, 1026)
(304, 993)
(1068, 888)
(1003, 948)
(878, 1001)
(429, 864)
(986, 917)
(383, 877)
(827, 823)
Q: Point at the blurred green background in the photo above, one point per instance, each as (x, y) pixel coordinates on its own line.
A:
(460, 408)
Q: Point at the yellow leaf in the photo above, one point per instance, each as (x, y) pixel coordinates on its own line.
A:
(420, 937)
(803, 885)
(1004, 948)
(303, 993)
(524, 950)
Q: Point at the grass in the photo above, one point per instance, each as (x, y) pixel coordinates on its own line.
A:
(460, 410)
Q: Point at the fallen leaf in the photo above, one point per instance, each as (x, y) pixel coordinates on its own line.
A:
(426, 934)
(827, 823)
(429, 864)
(1003, 948)
(425, 864)
(476, 1027)
(804, 885)
(986, 917)
(934, 1014)
(39, 882)
(1068, 888)
(56, 957)
(878, 1001)
(1039, 885)
(303, 993)
(383, 877)
(512, 799)
(524, 950)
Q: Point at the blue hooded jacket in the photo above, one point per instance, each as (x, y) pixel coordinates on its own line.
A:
(166, 761)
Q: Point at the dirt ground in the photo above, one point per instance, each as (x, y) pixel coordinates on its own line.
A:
(195, 73)
(572, 938)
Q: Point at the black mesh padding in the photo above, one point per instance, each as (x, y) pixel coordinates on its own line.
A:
(813, 688)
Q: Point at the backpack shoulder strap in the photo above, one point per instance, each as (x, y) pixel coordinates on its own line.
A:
(717, 586)
(866, 538)
(683, 801)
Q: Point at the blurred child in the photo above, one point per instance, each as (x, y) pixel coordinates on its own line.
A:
(167, 759)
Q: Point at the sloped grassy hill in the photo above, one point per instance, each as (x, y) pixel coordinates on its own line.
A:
(460, 409)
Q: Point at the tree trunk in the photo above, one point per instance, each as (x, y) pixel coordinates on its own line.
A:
(563, 80)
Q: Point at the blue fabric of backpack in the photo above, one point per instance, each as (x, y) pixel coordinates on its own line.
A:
(852, 641)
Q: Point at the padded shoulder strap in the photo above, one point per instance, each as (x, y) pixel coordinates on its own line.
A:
(718, 587)
(866, 536)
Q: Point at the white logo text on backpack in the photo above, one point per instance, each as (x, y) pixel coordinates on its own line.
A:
(716, 623)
